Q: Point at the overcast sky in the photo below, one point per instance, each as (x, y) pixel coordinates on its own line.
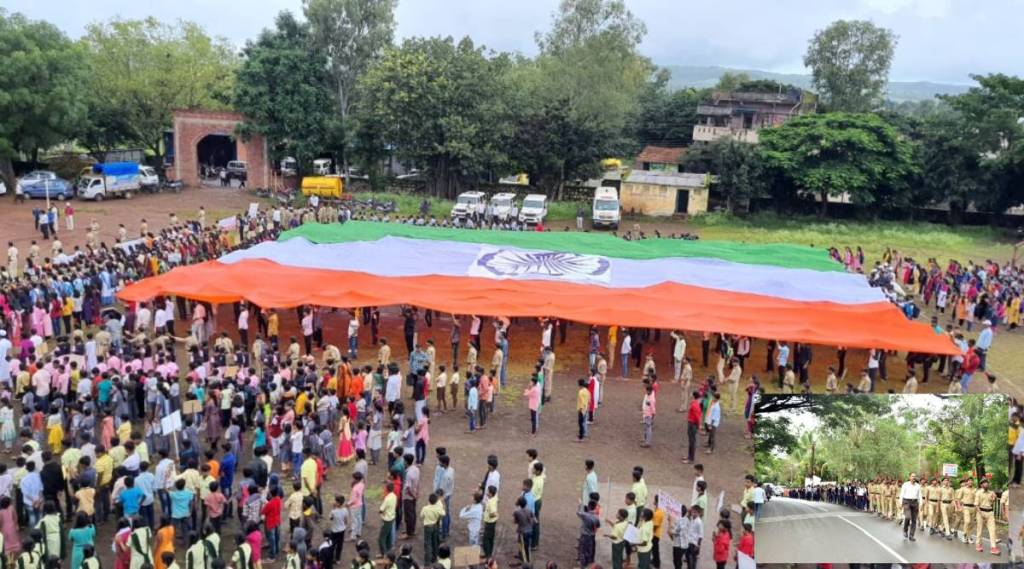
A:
(939, 40)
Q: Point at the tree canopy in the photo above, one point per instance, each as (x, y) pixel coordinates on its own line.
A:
(139, 71)
(40, 88)
(441, 104)
(282, 88)
(352, 35)
(857, 155)
(849, 62)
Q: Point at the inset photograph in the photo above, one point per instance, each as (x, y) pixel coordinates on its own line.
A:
(882, 479)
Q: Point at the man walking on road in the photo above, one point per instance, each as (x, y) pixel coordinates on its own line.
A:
(910, 495)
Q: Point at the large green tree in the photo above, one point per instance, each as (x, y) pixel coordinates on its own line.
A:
(581, 92)
(352, 34)
(993, 123)
(739, 171)
(835, 154)
(849, 62)
(41, 80)
(141, 70)
(951, 166)
(283, 89)
(441, 104)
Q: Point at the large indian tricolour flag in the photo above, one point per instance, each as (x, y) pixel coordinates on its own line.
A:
(774, 291)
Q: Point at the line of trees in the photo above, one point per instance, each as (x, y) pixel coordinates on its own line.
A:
(334, 82)
(859, 438)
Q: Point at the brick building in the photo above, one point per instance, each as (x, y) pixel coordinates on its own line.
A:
(195, 129)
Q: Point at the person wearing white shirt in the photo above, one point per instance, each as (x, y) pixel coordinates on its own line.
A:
(143, 317)
(694, 537)
(393, 390)
(159, 320)
(243, 325)
(353, 337)
(759, 499)
(910, 495)
(678, 352)
(679, 532)
(624, 351)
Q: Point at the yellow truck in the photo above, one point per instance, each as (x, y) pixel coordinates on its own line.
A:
(323, 186)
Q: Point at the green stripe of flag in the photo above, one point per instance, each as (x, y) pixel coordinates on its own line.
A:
(779, 255)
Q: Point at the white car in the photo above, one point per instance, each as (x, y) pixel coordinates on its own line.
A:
(534, 210)
(502, 205)
(3, 188)
(466, 204)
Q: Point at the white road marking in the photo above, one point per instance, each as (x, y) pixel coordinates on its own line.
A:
(815, 516)
(876, 540)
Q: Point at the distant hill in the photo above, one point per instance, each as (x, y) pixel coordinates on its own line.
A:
(707, 76)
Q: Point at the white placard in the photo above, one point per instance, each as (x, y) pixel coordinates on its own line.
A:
(254, 209)
(632, 534)
(668, 503)
(721, 500)
(744, 562)
(228, 223)
(171, 423)
(950, 470)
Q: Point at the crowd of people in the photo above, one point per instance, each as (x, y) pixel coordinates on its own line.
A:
(972, 298)
(932, 506)
(88, 383)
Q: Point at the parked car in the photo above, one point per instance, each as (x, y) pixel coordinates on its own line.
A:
(466, 204)
(56, 189)
(35, 176)
(3, 188)
(237, 169)
(534, 210)
(322, 166)
(502, 205)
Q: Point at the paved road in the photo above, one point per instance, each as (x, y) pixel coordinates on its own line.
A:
(795, 531)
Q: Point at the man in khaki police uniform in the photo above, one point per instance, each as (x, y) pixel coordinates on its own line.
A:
(945, 503)
(926, 503)
(985, 501)
(965, 505)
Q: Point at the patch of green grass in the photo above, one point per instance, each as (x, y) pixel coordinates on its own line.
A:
(917, 239)
(558, 211)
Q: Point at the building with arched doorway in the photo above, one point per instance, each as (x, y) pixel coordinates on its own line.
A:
(208, 138)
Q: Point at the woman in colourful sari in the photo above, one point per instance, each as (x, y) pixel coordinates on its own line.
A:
(346, 451)
(1013, 313)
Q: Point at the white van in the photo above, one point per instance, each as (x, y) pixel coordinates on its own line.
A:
(606, 208)
(502, 205)
(466, 204)
(534, 210)
(322, 166)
